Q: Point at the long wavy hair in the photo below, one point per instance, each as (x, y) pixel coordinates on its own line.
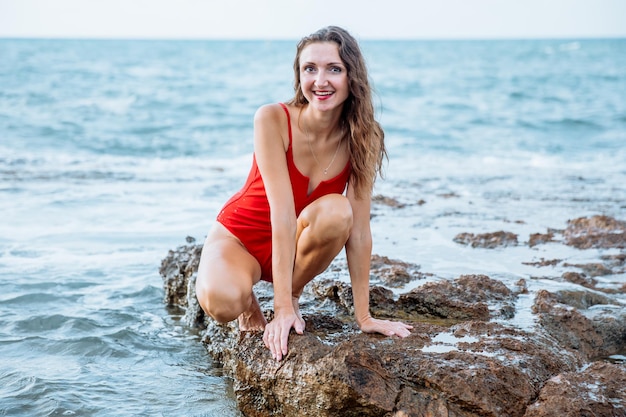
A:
(366, 138)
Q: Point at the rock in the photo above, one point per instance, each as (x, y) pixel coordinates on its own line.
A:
(591, 324)
(598, 390)
(580, 279)
(178, 270)
(464, 299)
(392, 272)
(593, 269)
(464, 357)
(539, 238)
(487, 240)
(595, 232)
(387, 201)
(543, 262)
(470, 369)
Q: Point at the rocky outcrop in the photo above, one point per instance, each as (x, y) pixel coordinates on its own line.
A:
(465, 356)
(598, 390)
(595, 232)
(487, 240)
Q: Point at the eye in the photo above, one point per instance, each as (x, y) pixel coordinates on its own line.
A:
(336, 69)
(308, 68)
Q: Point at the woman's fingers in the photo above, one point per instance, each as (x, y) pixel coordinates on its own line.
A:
(387, 327)
(276, 338)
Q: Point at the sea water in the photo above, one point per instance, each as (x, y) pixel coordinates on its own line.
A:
(112, 152)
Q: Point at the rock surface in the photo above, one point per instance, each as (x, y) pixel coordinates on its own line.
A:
(465, 357)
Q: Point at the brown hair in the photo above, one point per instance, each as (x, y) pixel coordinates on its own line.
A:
(365, 135)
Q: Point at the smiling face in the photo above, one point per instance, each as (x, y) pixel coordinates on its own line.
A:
(323, 76)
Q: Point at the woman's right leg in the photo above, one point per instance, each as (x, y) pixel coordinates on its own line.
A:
(226, 275)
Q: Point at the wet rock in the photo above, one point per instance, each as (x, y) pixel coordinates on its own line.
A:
(387, 201)
(580, 279)
(392, 272)
(449, 195)
(599, 390)
(487, 240)
(543, 262)
(595, 232)
(593, 269)
(467, 298)
(463, 358)
(470, 297)
(176, 268)
(590, 324)
(615, 261)
(471, 369)
(522, 286)
(539, 238)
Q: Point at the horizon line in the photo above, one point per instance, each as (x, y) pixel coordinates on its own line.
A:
(289, 39)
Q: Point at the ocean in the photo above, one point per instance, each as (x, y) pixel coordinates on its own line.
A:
(113, 152)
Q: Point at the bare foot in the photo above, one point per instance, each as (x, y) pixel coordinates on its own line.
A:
(252, 319)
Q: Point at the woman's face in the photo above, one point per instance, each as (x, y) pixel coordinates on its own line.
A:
(323, 76)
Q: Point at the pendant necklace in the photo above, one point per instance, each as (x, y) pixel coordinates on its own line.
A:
(325, 170)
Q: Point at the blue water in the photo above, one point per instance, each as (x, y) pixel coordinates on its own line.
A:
(112, 152)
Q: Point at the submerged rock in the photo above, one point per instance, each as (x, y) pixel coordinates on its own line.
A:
(595, 232)
(464, 357)
(487, 240)
(540, 238)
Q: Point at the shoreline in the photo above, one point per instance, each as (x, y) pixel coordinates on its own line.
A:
(575, 331)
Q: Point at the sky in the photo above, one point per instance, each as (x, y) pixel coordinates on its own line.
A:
(292, 19)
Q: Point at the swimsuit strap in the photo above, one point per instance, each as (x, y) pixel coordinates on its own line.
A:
(288, 120)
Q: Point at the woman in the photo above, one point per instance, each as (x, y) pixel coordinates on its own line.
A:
(291, 218)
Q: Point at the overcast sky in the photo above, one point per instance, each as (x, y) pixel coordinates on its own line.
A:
(291, 19)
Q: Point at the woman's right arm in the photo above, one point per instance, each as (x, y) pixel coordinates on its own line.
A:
(270, 146)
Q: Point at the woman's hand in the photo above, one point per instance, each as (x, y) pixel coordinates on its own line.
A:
(386, 327)
(276, 332)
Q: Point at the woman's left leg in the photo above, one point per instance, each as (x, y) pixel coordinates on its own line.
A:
(323, 230)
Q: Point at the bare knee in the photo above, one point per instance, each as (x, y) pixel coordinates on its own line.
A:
(225, 276)
(334, 217)
(222, 302)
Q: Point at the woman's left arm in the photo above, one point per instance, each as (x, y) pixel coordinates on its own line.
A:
(358, 254)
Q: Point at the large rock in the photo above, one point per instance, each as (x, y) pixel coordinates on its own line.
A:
(463, 358)
(598, 390)
(595, 232)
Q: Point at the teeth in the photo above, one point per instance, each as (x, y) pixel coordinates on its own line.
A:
(324, 93)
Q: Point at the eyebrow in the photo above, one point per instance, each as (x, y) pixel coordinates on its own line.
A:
(329, 63)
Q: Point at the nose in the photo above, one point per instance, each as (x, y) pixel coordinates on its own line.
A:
(321, 79)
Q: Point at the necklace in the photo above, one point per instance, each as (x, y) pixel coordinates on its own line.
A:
(325, 170)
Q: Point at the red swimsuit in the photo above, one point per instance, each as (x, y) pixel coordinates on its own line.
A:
(247, 213)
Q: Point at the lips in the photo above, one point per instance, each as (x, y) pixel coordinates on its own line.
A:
(323, 94)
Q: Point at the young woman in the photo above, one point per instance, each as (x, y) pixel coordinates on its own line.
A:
(292, 218)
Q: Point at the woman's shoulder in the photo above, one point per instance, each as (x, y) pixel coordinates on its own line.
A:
(271, 122)
(271, 112)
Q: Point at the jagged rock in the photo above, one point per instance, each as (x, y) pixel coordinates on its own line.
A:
(487, 240)
(586, 322)
(470, 369)
(580, 279)
(178, 270)
(540, 238)
(595, 269)
(463, 358)
(598, 390)
(595, 232)
(466, 298)
(392, 272)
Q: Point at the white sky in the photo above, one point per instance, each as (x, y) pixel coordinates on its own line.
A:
(367, 19)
